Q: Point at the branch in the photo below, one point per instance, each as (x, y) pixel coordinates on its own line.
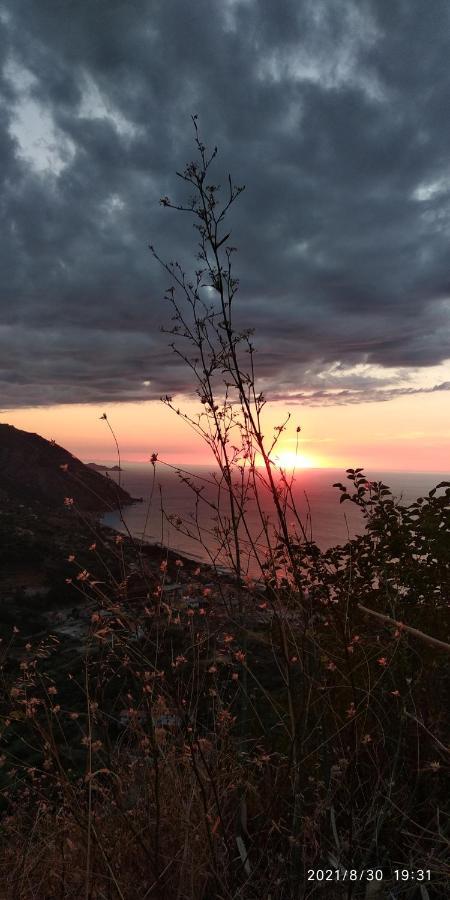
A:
(402, 627)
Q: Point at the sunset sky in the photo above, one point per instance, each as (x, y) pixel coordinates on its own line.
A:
(335, 117)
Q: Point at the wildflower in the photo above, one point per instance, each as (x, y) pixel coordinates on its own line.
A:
(212, 669)
(235, 676)
(68, 580)
(83, 575)
(74, 715)
(153, 458)
(382, 661)
(56, 709)
(331, 666)
(262, 605)
(197, 571)
(228, 638)
(52, 690)
(179, 563)
(225, 718)
(30, 710)
(68, 501)
(294, 659)
(190, 613)
(93, 547)
(239, 656)
(351, 711)
(202, 611)
(366, 739)
(435, 765)
(395, 693)
(118, 539)
(71, 558)
(64, 467)
(163, 566)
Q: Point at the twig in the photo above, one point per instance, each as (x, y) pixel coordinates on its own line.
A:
(435, 642)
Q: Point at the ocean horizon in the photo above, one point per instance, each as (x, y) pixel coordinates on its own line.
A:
(327, 521)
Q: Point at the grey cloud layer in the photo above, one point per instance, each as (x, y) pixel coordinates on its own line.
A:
(335, 115)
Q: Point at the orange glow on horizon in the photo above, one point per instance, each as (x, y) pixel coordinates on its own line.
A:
(400, 435)
(289, 459)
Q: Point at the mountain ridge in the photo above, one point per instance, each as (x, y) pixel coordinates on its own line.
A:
(35, 470)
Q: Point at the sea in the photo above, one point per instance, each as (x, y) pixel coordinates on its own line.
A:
(167, 495)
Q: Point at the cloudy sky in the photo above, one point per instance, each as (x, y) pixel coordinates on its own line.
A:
(333, 113)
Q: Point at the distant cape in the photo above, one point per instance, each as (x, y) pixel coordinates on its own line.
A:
(34, 470)
(99, 468)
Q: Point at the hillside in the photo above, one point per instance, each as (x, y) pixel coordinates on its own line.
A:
(34, 470)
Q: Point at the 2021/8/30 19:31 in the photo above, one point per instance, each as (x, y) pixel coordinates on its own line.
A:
(367, 875)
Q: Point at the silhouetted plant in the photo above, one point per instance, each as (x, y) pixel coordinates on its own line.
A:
(226, 731)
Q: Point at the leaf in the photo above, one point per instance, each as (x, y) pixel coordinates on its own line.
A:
(334, 829)
(440, 485)
(101, 635)
(244, 855)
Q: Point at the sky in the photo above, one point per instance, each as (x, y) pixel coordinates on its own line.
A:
(333, 113)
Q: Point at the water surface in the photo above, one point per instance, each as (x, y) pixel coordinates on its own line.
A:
(325, 519)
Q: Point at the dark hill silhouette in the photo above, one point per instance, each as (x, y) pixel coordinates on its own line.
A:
(34, 470)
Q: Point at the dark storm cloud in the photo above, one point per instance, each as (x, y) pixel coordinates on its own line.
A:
(348, 395)
(335, 115)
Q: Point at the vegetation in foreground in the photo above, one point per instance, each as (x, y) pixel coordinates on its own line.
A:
(222, 735)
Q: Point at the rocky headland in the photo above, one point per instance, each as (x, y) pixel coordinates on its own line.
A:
(34, 470)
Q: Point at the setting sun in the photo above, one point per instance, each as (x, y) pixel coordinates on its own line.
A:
(288, 459)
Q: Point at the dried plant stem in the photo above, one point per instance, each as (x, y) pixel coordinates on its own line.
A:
(400, 626)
